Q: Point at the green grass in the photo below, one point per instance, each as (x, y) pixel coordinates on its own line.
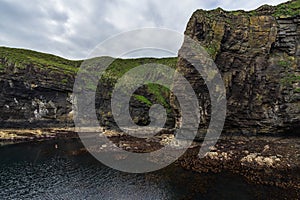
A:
(120, 66)
(64, 81)
(212, 50)
(291, 8)
(160, 93)
(22, 58)
(284, 63)
(290, 79)
(297, 90)
(2, 67)
(287, 9)
(143, 100)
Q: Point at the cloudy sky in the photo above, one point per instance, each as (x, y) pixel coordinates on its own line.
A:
(72, 28)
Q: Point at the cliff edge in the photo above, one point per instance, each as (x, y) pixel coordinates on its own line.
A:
(258, 56)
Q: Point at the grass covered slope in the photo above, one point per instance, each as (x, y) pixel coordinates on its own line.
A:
(291, 8)
(20, 58)
(41, 68)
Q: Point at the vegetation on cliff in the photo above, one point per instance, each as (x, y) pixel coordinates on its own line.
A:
(291, 8)
(13, 59)
(21, 58)
(257, 53)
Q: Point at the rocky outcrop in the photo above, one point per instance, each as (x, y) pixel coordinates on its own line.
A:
(33, 95)
(257, 54)
(139, 105)
(36, 90)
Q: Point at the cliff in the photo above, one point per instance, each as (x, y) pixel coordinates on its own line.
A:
(36, 90)
(257, 54)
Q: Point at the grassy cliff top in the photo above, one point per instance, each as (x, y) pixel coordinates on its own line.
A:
(290, 8)
(283, 10)
(21, 58)
(54, 70)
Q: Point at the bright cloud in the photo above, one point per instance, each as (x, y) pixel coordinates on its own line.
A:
(71, 28)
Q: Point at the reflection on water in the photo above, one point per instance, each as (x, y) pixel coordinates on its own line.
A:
(50, 170)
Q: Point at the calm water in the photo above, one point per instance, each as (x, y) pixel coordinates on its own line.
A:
(40, 171)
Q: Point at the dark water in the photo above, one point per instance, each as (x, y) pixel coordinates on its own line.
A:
(40, 171)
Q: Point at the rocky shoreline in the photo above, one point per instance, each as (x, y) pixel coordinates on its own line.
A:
(12, 136)
(270, 161)
(264, 160)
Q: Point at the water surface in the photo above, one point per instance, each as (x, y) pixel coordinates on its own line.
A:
(39, 170)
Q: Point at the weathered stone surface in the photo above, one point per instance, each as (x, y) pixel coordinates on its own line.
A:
(30, 97)
(34, 94)
(257, 55)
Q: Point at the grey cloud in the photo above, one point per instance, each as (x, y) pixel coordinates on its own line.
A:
(73, 28)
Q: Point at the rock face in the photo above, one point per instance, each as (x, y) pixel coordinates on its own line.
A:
(258, 56)
(28, 105)
(141, 100)
(256, 52)
(36, 90)
(33, 95)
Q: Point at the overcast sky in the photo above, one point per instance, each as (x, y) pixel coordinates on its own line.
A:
(72, 28)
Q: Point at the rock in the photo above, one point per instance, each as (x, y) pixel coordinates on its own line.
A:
(255, 158)
(269, 162)
(259, 160)
(256, 52)
(33, 96)
(36, 90)
(257, 55)
(225, 155)
(277, 159)
(212, 155)
(222, 156)
(267, 147)
(249, 158)
(246, 152)
(213, 148)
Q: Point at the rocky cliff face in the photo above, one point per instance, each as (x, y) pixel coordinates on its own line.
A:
(33, 94)
(141, 100)
(256, 52)
(36, 90)
(258, 56)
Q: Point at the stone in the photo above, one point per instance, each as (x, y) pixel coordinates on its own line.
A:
(269, 162)
(212, 155)
(256, 54)
(267, 147)
(213, 148)
(246, 152)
